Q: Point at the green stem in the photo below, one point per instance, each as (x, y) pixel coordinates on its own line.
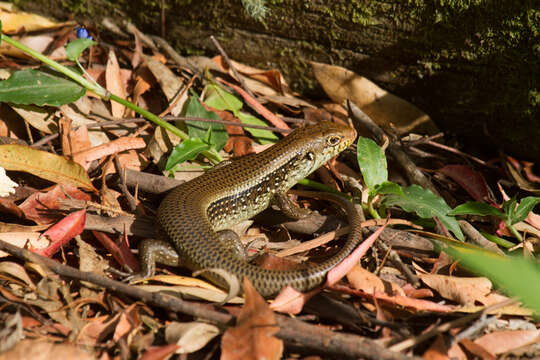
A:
(318, 186)
(58, 67)
(211, 154)
(371, 210)
(514, 231)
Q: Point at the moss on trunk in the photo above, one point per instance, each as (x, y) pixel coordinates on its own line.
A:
(473, 65)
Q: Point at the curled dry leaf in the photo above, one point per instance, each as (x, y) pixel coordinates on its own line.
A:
(503, 341)
(253, 336)
(387, 110)
(48, 166)
(190, 336)
(462, 290)
(38, 206)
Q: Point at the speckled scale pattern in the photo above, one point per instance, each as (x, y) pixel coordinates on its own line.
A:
(191, 214)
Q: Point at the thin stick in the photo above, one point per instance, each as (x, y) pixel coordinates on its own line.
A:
(231, 66)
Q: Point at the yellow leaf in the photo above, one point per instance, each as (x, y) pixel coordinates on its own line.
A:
(48, 166)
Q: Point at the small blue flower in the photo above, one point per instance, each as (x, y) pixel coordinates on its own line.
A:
(82, 33)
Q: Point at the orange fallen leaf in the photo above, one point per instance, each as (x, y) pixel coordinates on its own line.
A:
(97, 152)
(362, 279)
(253, 336)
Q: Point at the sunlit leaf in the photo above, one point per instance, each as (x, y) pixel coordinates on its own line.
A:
(372, 163)
(426, 205)
(75, 48)
(39, 88)
(186, 150)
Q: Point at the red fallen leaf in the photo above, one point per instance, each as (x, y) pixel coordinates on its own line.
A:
(253, 336)
(36, 205)
(63, 231)
(471, 180)
(120, 251)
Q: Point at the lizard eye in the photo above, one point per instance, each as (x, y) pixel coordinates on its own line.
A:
(333, 140)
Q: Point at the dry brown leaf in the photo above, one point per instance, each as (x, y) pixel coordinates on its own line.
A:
(387, 110)
(191, 336)
(462, 290)
(253, 336)
(503, 341)
(41, 350)
(73, 140)
(97, 152)
(36, 205)
(38, 117)
(362, 279)
(115, 85)
(171, 84)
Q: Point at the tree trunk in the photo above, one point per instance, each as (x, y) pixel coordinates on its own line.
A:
(473, 66)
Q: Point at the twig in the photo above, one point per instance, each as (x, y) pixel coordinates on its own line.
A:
(231, 66)
(121, 171)
(291, 331)
(414, 174)
(447, 326)
(396, 260)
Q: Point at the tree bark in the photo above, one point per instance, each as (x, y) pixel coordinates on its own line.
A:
(473, 66)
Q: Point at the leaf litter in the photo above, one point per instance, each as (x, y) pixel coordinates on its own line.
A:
(71, 144)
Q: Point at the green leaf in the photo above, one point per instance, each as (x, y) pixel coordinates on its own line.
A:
(525, 207)
(199, 129)
(39, 88)
(426, 205)
(388, 187)
(372, 163)
(476, 208)
(509, 207)
(220, 99)
(75, 48)
(186, 150)
(261, 135)
(516, 276)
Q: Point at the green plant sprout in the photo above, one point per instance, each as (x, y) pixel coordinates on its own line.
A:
(16, 90)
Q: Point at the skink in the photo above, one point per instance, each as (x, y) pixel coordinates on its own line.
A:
(194, 216)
